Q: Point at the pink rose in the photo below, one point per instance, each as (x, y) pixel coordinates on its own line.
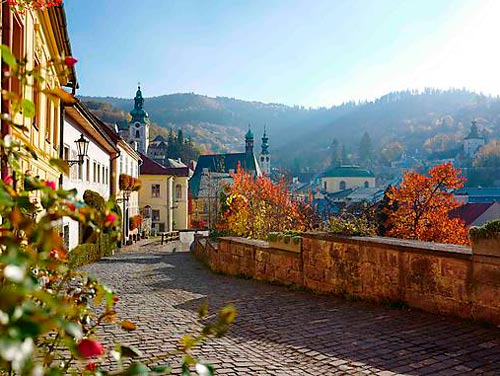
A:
(51, 184)
(9, 180)
(70, 61)
(89, 348)
(110, 219)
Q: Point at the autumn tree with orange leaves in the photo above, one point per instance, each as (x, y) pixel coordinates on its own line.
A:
(256, 206)
(423, 204)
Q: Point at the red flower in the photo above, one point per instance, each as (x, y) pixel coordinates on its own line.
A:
(51, 184)
(115, 298)
(91, 366)
(89, 348)
(72, 207)
(70, 61)
(8, 180)
(110, 219)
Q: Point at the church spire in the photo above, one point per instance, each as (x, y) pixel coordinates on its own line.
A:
(138, 100)
(265, 145)
(249, 141)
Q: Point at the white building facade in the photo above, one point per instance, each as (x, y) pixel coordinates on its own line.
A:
(96, 171)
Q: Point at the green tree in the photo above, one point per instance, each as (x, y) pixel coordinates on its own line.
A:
(365, 149)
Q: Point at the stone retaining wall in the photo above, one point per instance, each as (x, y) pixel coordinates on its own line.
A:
(434, 277)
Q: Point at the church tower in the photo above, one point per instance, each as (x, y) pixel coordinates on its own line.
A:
(249, 141)
(473, 141)
(265, 157)
(138, 131)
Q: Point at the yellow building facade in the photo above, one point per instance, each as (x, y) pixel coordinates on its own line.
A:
(39, 37)
(164, 195)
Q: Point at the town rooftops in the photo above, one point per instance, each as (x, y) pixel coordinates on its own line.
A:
(490, 194)
(150, 167)
(348, 172)
(477, 213)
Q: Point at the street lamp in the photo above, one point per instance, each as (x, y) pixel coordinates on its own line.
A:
(82, 145)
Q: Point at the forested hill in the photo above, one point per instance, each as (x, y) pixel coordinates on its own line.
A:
(432, 120)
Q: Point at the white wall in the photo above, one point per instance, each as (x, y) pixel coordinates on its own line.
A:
(127, 164)
(84, 179)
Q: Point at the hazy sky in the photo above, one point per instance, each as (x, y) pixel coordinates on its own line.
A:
(310, 52)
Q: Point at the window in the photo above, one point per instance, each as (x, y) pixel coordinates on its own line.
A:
(342, 185)
(88, 169)
(262, 159)
(55, 129)
(155, 190)
(80, 171)
(147, 211)
(103, 180)
(137, 134)
(121, 164)
(95, 172)
(325, 185)
(36, 97)
(367, 184)
(155, 217)
(48, 121)
(98, 173)
(178, 192)
(18, 51)
(66, 153)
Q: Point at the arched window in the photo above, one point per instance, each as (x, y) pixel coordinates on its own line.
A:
(262, 159)
(342, 185)
(137, 134)
(367, 184)
(178, 192)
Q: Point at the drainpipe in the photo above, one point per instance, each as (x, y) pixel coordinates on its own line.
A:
(112, 172)
(6, 84)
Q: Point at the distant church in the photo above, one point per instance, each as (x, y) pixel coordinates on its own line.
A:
(473, 141)
(213, 172)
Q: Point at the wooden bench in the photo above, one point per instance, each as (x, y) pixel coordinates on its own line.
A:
(169, 236)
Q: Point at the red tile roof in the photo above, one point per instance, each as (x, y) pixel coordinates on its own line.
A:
(470, 212)
(150, 167)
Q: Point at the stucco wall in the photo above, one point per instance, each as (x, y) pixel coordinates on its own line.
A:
(98, 161)
(434, 277)
(333, 183)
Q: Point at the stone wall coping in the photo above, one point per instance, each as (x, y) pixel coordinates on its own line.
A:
(446, 250)
(254, 242)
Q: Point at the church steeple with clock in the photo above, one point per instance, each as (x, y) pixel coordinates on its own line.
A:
(138, 130)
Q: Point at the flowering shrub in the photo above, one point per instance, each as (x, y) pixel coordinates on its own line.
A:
(129, 183)
(135, 221)
(49, 312)
(22, 6)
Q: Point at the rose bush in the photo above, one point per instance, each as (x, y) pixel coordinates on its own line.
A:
(50, 313)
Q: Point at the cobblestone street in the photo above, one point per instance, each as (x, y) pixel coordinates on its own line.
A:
(280, 331)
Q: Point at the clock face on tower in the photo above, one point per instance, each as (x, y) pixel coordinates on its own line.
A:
(137, 125)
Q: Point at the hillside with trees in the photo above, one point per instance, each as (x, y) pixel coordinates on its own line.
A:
(427, 122)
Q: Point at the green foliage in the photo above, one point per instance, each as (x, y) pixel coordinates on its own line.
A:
(487, 231)
(350, 226)
(87, 253)
(94, 200)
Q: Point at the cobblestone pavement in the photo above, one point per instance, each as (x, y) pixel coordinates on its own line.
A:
(284, 332)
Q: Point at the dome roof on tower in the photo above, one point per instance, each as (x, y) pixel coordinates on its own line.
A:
(249, 134)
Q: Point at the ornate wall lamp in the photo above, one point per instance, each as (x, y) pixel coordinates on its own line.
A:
(82, 145)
